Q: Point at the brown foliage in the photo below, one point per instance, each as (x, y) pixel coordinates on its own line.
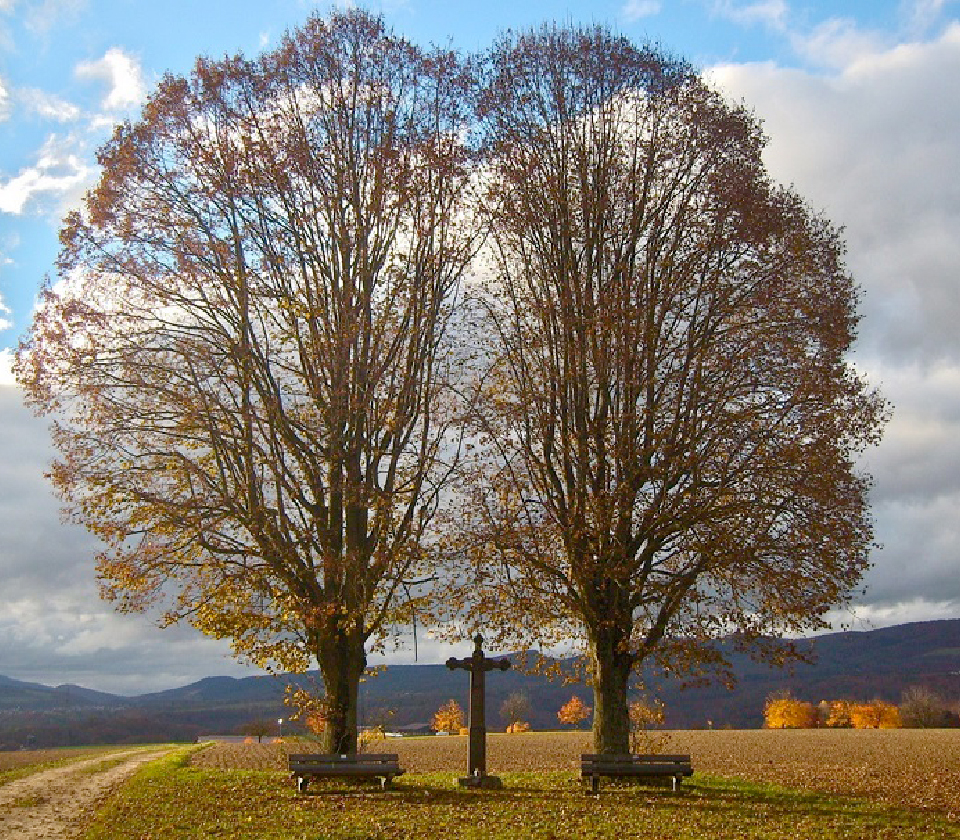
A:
(247, 348)
(670, 412)
(644, 715)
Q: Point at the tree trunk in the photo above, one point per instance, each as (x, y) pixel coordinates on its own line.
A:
(342, 661)
(611, 675)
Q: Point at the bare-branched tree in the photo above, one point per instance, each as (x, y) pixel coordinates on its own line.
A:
(247, 350)
(671, 424)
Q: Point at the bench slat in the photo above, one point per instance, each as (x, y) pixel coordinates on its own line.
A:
(312, 766)
(316, 761)
(624, 757)
(305, 766)
(672, 766)
(346, 759)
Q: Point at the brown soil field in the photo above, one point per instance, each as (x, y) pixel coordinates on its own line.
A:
(914, 768)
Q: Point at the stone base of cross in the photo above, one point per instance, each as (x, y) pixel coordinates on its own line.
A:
(478, 665)
(484, 782)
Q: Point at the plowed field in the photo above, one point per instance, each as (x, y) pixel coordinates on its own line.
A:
(909, 767)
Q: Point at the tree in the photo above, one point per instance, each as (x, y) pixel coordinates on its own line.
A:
(922, 708)
(877, 714)
(247, 350)
(643, 715)
(670, 423)
(787, 713)
(837, 714)
(515, 709)
(574, 711)
(449, 718)
(257, 729)
(317, 722)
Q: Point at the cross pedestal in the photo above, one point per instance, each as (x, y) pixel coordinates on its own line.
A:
(478, 665)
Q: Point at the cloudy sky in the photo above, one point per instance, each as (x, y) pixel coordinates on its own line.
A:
(861, 101)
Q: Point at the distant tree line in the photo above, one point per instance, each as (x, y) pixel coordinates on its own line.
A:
(920, 708)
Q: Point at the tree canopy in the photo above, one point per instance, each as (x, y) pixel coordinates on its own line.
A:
(245, 352)
(670, 419)
(259, 397)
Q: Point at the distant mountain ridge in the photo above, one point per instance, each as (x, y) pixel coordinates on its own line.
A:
(849, 665)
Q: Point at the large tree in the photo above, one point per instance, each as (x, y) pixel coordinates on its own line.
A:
(245, 353)
(671, 422)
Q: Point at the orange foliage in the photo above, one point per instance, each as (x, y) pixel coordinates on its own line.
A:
(787, 713)
(316, 722)
(877, 714)
(519, 726)
(449, 718)
(838, 714)
(784, 713)
(574, 711)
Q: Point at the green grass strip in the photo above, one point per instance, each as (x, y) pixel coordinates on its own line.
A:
(170, 800)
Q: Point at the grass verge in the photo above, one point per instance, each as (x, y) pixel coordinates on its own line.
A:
(170, 800)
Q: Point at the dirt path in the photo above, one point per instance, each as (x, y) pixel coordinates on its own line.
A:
(53, 804)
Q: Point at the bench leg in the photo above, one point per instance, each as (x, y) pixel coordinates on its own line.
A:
(302, 782)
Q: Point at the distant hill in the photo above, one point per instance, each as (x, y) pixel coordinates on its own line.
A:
(35, 697)
(850, 665)
(865, 665)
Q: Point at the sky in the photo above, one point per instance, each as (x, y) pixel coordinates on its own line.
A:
(860, 100)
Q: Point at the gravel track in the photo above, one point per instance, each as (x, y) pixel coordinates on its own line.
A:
(54, 804)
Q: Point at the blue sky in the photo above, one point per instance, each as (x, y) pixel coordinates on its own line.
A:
(861, 101)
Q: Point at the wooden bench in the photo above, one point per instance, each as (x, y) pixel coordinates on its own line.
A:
(673, 767)
(306, 766)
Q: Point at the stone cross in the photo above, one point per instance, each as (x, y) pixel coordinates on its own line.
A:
(478, 665)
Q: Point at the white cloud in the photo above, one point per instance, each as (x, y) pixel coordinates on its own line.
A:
(636, 9)
(873, 145)
(872, 148)
(4, 101)
(73, 637)
(122, 75)
(920, 15)
(872, 617)
(771, 13)
(48, 106)
(41, 17)
(6, 368)
(837, 43)
(59, 171)
(5, 322)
